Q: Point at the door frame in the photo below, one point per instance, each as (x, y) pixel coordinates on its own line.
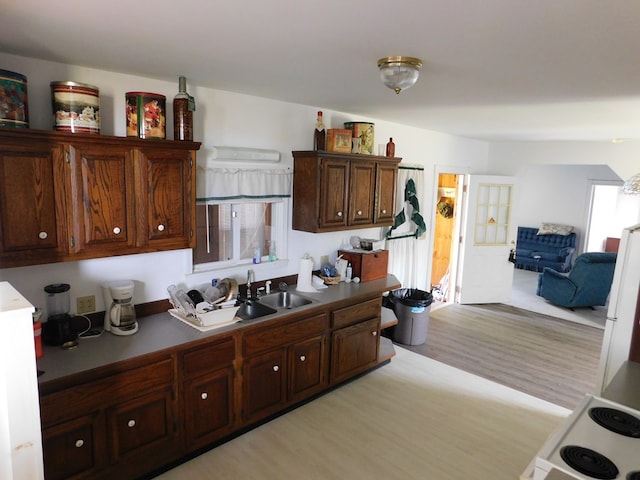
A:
(461, 171)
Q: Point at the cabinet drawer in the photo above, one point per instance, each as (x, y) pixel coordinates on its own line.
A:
(93, 395)
(356, 313)
(205, 359)
(285, 335)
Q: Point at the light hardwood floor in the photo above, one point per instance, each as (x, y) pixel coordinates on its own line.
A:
(550, 358)
(414, 418)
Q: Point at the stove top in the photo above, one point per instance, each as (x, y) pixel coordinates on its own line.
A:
(599, 440)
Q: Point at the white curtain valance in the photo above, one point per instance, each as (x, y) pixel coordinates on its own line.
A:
(227, 184)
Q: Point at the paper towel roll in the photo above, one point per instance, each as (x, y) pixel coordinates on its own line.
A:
(304, 275)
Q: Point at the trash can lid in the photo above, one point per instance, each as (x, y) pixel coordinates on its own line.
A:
(411, 297)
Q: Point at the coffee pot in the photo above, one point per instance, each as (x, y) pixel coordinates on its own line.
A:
(120, 315)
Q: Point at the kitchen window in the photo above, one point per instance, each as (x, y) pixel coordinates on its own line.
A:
(230, 233)
(238, 212)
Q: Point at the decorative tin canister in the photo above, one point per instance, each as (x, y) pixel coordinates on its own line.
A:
(146, 115)
(14, 111)
(363, 131)
(76, 107)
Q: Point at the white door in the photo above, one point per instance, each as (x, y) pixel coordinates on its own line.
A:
(488, 234)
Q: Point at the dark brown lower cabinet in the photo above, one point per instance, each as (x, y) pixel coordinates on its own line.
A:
(130, 418)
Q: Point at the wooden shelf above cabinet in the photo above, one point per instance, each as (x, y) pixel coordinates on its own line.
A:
(343, 191)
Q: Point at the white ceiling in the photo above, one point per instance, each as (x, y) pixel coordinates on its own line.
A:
(493, 69)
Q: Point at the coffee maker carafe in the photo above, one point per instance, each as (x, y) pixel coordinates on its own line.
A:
(120, 316)
(58, 330)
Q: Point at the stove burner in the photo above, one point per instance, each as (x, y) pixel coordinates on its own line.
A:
(589, 462)
(633, 475)
(616, 420)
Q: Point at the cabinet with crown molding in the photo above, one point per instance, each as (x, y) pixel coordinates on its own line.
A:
(66, 197)
(340, 191)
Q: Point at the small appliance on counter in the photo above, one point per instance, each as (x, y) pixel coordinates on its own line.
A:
(57, 330)
(120, 314)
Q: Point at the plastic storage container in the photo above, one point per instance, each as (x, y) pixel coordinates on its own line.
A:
(412, 307)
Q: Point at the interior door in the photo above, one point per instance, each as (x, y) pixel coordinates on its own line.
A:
(488, 234)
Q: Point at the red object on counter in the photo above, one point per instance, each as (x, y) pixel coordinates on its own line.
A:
(37, 338)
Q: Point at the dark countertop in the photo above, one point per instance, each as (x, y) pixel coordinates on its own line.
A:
(162, 331)
(625, 386)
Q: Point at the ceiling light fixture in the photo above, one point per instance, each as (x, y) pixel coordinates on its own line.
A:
(632, 186)
(399, 73)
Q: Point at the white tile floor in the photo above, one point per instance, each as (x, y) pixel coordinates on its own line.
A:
(524, 296)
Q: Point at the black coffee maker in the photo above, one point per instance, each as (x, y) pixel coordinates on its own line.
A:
(57, 330)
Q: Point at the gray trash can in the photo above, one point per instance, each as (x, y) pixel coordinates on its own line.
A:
(411, 307)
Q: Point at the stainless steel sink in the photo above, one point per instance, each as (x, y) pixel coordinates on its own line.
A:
(287, 300)
(251, 309)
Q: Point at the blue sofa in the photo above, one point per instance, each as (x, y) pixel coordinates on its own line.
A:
(535, 252)
(587, 285)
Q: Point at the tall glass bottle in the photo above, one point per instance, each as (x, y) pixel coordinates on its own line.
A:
(391, 148)
(183, 107)
(319, 134)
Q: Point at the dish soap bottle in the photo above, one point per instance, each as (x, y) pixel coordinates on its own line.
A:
(319, 134)
(183, 107)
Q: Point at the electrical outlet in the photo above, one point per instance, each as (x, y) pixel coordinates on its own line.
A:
(85, 304)
(324, 259)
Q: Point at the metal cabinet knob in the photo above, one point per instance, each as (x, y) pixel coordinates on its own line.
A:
(375, 334)
(302, 358)
(384, 211)
(161, 228)
(359, 212)
(43, 235)
(276, 368)
(131, 423)
(117, 230)
(339, 214)
(79, 443)
(204, 395)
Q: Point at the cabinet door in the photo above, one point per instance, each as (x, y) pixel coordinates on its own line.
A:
(334, 193)
(354, 349)
(167, 207)
(103, 200)
(386, 179)
(208, 403)
(306, 368)
(142, 429)
(74, 449)
(30, 229)
(362, 192)
(264, 384)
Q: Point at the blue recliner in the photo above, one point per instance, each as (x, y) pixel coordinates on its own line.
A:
(587, 285)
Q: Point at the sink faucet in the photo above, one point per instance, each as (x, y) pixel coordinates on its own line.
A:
(250, 279)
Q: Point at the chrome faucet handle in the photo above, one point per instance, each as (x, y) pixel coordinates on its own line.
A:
(260, 291)
(283, 286)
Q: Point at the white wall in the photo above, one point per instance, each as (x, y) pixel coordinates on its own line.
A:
(221, 118)
(555, 178)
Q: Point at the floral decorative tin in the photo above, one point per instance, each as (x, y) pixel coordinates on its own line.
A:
(363, 131)
(14, 111)
(146, 115)
(76, 107)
